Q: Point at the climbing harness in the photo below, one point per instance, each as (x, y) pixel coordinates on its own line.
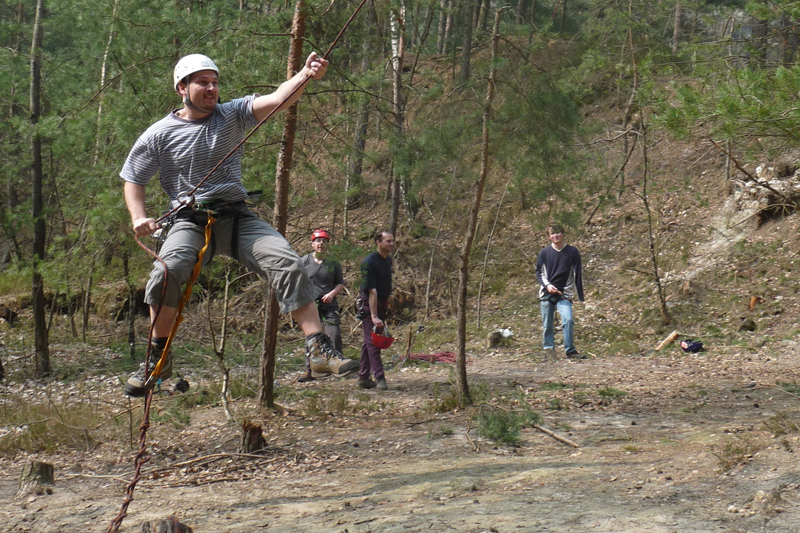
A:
(189, 200)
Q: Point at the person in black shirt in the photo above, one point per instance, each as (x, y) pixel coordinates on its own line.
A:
(558, 269)
(376, 287)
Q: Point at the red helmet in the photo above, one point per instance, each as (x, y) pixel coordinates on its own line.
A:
(317, 233)
(381, 341)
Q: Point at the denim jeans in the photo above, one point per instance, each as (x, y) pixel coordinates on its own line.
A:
(564, 307)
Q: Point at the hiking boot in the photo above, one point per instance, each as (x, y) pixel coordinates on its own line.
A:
(550, 355)
(366, 383)
(325, 359)
(306, 378)
(381, 385)
(136, 386)
(575, 355)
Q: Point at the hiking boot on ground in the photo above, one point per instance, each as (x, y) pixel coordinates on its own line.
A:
(550, 355)
(381, 385)
(366, 383)
(305, 378)
(575, 355)
(136, 386)
(325, 359)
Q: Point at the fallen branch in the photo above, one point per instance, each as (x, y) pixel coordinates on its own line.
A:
(668, 340)
(557, 437)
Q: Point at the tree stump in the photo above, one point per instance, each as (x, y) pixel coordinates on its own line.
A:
(252, 437)
(168, 525)
(34, 475)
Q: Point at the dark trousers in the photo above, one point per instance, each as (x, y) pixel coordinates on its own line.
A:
(370, 355)
(331, 317)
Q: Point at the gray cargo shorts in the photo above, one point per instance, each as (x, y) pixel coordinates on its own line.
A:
(261, 249)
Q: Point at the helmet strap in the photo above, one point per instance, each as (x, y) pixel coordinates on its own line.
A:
(188, 103)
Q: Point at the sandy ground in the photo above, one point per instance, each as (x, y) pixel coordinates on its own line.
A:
(689, 448)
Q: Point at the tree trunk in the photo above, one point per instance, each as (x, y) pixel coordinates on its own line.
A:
(280, 220)
(463, 276)
(131, 305)
(354, 171)
(395, 195)
(39, 229)
(652, 227)
(103, 69)
(788, 45)
(488, 247)
(252, 437)
(759, 43)
(440, 40)
(522, 15)
(467, 43)
(87, 299)
(397, 23)
(433, 247)
(676, 31)
(34, 475)
(483, 8)
(448, 25)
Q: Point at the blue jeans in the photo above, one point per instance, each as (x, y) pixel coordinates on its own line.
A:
(564, 307)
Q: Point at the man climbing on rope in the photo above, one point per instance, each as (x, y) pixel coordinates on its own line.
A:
(183, 148)
(326, 275)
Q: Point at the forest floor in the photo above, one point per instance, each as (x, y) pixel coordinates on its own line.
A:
(668, 442)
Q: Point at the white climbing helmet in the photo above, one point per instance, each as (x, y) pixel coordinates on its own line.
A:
(189, 65)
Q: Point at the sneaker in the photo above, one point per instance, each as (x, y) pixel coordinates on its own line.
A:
(576, 355)
(325, 359)
(366, 383)
(381, 385)
(550, 355)
(136, 386)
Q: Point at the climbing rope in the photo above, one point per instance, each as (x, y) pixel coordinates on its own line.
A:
(140, 458)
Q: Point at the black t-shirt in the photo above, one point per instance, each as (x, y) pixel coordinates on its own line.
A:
(376, 273)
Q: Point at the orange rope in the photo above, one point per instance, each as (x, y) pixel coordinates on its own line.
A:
(187, 294)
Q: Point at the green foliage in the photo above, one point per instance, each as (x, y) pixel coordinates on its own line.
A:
(442, 401)
(610, 393)
(503, 427)
(500, 426)
(31, 426)
(735, 453)
(554, 386)
(781, 423)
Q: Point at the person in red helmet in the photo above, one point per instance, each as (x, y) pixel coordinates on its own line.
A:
(326, 276)
(183, 148)
(376, 287)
